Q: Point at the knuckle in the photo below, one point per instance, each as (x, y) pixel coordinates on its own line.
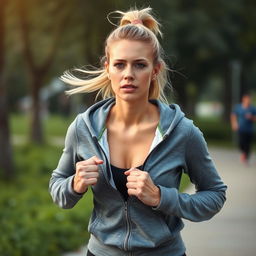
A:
(78, 166)
(139, 193)
(140, 184)
(145, 175)
(129, 178)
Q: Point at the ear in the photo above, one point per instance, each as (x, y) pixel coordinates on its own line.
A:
(156, 69)
(106, 65)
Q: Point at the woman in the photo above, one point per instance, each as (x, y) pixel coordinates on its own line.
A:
(132, 148)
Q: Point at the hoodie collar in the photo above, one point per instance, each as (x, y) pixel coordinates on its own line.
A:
(95, 116)
(170, 116)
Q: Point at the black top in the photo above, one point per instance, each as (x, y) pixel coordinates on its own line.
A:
(120, 180)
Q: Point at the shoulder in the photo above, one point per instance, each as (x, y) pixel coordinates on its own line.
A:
(188, 127)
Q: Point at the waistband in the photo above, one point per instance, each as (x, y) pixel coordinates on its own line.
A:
(174, 248)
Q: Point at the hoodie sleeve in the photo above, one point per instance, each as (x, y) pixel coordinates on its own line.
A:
(60, 185)
(210, 190)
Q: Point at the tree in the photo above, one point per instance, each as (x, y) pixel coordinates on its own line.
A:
(6, 161)
(32, 36)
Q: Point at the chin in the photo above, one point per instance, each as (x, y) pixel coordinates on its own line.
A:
(132, 98)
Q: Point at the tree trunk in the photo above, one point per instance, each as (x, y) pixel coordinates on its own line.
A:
(37, 71)
(6, 160)
(227, 93)
(36, 132)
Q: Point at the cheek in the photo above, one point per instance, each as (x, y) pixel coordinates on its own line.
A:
(114, 75)
(146, 78)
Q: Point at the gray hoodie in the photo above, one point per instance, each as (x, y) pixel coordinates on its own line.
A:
(120, 227)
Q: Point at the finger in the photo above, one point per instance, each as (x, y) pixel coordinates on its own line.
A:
(87, 168)
(88, 175)
(91, 181)
(97, 160)
(132, 192)
(92, 161)
(132, 171)
(132, 178)
(131, 185)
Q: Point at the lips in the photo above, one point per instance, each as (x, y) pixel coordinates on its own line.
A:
(128, 86)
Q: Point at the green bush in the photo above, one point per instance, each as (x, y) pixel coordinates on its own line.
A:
(215, 131)
(53, 125)
(30, 223)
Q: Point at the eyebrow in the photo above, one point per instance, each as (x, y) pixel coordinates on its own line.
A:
(137, 60)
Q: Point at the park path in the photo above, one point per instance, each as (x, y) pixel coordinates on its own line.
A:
(232, 232)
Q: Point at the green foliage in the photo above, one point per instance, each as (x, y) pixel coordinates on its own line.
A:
(30, 223)
(185, 182)
(53, 125)
(214, 129)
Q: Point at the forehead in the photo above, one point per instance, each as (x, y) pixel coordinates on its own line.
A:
(130, 50)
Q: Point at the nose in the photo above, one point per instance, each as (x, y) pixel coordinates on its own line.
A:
(128, 73)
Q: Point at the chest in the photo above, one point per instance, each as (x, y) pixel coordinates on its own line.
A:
(242, 112)
(130, 148)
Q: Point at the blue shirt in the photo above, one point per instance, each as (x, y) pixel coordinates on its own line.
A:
(245, 124)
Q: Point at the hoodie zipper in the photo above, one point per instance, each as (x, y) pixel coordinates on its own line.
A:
(126, 208)
(128, 226)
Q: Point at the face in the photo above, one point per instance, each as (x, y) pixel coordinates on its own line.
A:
(131, 69)
(246, 99)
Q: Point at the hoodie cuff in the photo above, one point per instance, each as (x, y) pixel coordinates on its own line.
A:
(168, 201)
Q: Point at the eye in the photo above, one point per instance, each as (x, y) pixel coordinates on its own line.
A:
(119, 65)
(140, 65)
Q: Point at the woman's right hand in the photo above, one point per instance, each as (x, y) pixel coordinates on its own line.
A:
(87, 173)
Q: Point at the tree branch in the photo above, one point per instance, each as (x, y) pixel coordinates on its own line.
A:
(63, 20)
(25, 31)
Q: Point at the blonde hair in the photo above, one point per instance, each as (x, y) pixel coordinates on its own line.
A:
(137, 25)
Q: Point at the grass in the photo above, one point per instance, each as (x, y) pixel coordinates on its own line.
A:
(53, 125)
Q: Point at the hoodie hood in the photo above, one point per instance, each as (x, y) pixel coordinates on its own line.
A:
(95, 116)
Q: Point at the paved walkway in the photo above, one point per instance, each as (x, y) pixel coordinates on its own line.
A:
(233, 231)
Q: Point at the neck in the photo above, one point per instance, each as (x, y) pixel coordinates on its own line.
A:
(131, 113)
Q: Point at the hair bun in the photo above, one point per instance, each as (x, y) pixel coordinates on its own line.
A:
(140, 17)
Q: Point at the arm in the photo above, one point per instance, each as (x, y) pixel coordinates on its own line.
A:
(234, 122)
(61, 182)
(254, 115)
(210, 190)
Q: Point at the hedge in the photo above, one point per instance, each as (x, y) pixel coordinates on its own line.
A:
(30, 222)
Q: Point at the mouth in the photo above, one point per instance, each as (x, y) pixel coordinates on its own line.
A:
(128, 86)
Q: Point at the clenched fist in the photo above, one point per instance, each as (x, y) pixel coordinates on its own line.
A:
(87, 173)
(140, 184)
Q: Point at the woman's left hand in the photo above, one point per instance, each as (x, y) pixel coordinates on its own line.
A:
(140, 184)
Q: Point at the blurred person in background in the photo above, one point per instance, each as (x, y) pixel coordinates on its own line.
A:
(242, 118)
(131, 148)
